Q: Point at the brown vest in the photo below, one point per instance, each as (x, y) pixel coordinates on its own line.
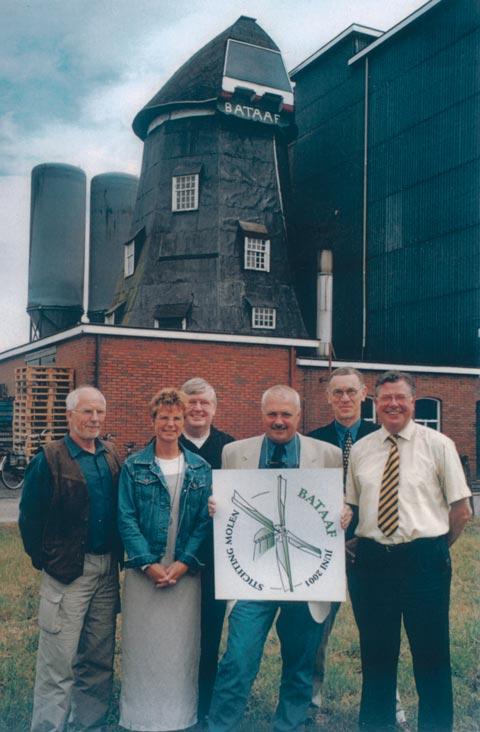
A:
(66, 527)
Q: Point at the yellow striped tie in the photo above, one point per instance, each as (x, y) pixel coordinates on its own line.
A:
(388, 502)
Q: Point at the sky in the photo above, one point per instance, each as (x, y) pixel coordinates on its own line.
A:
(73, 74)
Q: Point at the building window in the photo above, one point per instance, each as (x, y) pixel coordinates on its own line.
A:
(170, 323)
(114, 316)
(263, 317)
(257, 254)
(185, 192)
(427, 412)
(368, 410)
(45, 357)
(129, 260)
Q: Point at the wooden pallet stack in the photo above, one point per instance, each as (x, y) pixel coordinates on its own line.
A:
(39, 407)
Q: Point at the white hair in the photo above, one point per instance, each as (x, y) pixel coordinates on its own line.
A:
(282, 391)
(197, 385)
(74, 396)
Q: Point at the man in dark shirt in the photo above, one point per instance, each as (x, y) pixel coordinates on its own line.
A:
(68, 526)
(202, 437)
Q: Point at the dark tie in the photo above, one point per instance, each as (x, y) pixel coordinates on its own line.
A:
(347, 446)
(278, 457)
(388, 501)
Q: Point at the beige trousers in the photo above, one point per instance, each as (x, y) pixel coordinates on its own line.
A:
(75, 650)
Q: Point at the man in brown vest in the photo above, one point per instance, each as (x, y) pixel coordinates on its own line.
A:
(68, 526)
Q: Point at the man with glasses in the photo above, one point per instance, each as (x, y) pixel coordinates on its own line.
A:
(407, 484)
(68, 526)
(346, 391)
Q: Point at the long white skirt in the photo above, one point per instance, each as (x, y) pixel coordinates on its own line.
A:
(160, 653)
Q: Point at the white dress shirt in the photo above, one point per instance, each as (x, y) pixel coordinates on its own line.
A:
(431, 478)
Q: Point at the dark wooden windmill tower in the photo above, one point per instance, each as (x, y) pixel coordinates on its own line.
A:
(209, 246)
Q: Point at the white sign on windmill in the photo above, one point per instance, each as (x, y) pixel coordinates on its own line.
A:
(277, 534)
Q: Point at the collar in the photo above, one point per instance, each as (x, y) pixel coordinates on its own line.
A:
(198, 441)
(271, 444)
(405, 434)
(147, 457)
(342, 430)
(75, 450)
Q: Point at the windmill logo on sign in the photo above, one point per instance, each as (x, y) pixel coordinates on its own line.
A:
(276, 534)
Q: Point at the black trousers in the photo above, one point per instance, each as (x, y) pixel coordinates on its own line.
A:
(213, 613)
(411, 582)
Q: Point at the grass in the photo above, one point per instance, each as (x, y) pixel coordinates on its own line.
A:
(18, 638)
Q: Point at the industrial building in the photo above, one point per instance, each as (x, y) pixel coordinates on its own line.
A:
(273, 236)
(386, 176)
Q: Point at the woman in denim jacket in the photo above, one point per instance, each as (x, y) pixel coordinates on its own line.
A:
(163, 522)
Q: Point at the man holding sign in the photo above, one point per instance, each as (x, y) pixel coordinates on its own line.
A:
(299, 624)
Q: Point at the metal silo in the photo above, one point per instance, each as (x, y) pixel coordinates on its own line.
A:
(112, 200)
(57, 248)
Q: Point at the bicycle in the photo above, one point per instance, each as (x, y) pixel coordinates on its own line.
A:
(13, 465)
(12, 470)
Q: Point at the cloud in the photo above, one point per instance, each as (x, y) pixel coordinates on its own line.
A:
(14, 201)
(74, 74)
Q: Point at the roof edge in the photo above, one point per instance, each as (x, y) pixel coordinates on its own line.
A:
(154, 333)
(354, 28)
(377, 366)
(395, 29)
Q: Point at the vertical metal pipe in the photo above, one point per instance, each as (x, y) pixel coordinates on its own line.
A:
(324, 300)
(365, 213)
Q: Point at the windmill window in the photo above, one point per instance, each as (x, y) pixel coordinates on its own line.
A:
(263, 317)
(170, 323)
(129, 259)
(257, 254)
(185, 192)
(114, 316)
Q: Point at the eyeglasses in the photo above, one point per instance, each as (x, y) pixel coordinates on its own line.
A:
(339, 393)
(386, 398)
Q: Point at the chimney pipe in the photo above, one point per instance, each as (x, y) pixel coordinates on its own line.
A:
(324, 300)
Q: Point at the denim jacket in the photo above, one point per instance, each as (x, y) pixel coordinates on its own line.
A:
(144, 510)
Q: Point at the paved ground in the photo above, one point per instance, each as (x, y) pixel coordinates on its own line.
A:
(8, 505)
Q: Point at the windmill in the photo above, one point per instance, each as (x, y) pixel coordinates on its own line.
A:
(276, 535)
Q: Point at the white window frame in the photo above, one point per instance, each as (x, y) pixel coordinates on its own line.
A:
(264, 317)
(435, 422)
(129, 259)
(373, 418)
(185, 192)
(257, 254)
(183, 325)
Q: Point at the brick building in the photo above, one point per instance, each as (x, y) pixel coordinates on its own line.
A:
(130, 364)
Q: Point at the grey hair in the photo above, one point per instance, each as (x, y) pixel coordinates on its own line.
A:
(391, 377)
(74, 396)
(281, 390)
(347, 371)
(197, 385)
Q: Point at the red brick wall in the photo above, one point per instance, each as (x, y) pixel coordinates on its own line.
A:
(7, 373)
(130, 370)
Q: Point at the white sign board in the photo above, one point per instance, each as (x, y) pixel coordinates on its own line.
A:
(277, 535)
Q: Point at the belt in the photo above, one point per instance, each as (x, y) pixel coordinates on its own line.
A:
(100, 553)
(404, 546)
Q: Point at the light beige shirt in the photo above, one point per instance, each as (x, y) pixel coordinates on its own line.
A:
(431, 478)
